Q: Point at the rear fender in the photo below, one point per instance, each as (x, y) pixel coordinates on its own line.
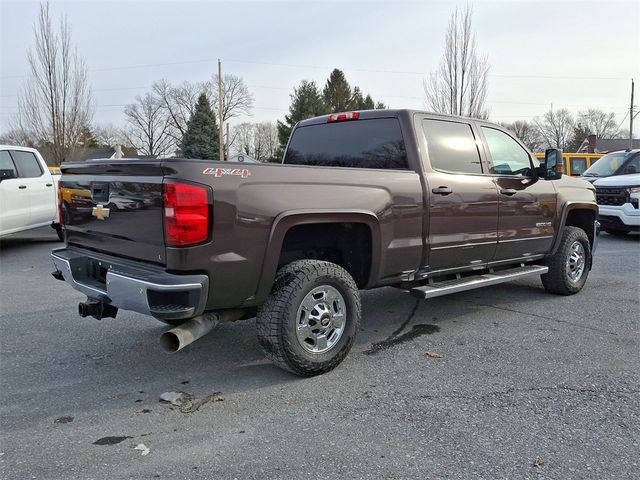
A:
(285, 221)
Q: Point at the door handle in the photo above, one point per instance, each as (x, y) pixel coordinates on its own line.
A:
(508, 191)
(49, 184)
(22, 187)
(442, 190)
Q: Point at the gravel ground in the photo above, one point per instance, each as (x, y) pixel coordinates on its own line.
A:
(529, 385)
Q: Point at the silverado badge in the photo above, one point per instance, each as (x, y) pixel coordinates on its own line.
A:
(100, 212)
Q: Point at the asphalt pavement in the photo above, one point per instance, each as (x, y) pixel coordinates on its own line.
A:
(502, 382)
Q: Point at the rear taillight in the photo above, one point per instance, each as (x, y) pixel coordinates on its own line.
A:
(343, 117)
(186, 214)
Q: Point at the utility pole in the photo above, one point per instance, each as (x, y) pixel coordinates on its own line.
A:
(220, 106)
(631, 119)
(226, 142)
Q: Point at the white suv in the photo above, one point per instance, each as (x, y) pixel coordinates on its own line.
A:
(618, 199)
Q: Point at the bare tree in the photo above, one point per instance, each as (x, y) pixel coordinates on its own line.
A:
(598, 123)
(459, 85)
(55, 103)
(236, 97)
(243, 138)
(179, 102)
(108, 134)
(149, 126)
(527, 132)
(259, 140)
(556, 128)
(265, 141)
(18, 136)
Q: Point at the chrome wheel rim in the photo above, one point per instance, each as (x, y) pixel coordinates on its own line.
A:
(576, 261)
(321, 319)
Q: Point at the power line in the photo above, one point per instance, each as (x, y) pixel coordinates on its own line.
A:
(325, 67)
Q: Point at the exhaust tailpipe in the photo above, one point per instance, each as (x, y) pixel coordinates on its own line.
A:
(179, 337)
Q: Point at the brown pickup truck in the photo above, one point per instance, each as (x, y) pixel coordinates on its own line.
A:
(429, 203)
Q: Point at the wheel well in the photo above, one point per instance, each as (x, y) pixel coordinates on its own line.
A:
(346, 244)
(583, 219)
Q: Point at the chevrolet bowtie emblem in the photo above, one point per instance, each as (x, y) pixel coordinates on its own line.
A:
(100, 212)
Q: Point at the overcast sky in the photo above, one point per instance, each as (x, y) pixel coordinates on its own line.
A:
(574, 54)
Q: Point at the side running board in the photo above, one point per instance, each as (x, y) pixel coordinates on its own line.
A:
(437, 289)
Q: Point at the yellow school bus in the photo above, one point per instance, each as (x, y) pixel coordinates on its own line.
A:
(575, 163)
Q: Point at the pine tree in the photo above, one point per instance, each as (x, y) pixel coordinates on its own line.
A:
(358, 102)
(368, 103)
(200, 139)
(306, 102)
(337, 92)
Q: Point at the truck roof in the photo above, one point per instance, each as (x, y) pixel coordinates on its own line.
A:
(391, 113)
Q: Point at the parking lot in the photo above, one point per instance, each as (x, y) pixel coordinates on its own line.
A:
(501, 382)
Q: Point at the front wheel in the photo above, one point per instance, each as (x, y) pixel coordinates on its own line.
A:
(309, 321)
(569, 266)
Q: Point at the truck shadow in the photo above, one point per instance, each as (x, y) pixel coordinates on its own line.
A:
(25, 240)
(231, 360)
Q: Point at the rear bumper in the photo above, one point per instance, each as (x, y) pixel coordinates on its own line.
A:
(132, 285)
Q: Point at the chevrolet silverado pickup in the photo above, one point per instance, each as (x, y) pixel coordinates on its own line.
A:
(27, 191)
(428, 203)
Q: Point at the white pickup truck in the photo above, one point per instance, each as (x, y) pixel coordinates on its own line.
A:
(619, 203)
(28, 191)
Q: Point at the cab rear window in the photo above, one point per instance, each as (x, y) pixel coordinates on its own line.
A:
(375, 143)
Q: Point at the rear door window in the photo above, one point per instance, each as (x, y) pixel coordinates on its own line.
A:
(6, 165)
(375, 143)
(27, 164)
(452, 146)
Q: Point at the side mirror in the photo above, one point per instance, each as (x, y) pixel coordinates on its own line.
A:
(553, 164)
(7, 174)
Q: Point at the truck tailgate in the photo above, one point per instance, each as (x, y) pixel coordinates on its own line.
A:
(115, 206)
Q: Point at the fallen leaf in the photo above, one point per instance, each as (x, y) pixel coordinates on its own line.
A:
(434, 355)
(110, 440)
(144, 450)
(188, 403)
(175, 398)
(63, 420)
(537, 462)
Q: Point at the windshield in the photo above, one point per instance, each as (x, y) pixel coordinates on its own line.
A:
(610, 163)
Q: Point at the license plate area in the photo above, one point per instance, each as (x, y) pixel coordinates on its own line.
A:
(90, 271)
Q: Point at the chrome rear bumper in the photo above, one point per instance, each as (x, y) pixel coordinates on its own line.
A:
(132, 285)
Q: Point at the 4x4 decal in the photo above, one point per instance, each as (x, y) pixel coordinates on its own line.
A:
(219, 172)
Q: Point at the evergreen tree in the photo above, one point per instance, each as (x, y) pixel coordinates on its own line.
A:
(368, 103)
(358, 102)
(337, 92)
(306, 102)
(580, 133)
(200, 139)
(87, 138)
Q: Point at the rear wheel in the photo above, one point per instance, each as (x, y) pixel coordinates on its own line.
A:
(309, 321)
(616, 232)
(569, 266)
